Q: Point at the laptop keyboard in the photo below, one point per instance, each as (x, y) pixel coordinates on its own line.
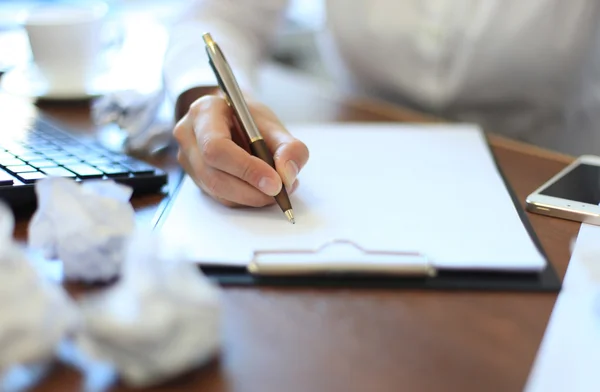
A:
(46, 150)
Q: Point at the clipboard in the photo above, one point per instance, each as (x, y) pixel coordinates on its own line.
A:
(412, 268)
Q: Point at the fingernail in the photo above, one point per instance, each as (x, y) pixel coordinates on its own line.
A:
(269, 186)
(293, 187)
(290, 172)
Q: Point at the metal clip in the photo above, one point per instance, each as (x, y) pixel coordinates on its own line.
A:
(339, 257)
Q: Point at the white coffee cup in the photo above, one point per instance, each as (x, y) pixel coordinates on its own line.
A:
(66, 41)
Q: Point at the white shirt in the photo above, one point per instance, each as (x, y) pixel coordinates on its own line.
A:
(526, 69)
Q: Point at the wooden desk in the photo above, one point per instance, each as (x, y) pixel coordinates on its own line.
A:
(369, 340)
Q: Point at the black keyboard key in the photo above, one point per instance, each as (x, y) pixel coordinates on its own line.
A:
(42, 163)
(42, 149)
(42, 146)
(122, 159)
(67, 160)
(77, 150)
(58, 172)
(5, 178)
(99, 161)
(138, 167)
(68, 142)
(114, 156)
(49, 145)
(85, 171)
(40, 143)
(55, 154)
(92, 156)
(113, 170)
(11, 162)
(17, 150)
(30, 156)
(29, 178)
(20, 169)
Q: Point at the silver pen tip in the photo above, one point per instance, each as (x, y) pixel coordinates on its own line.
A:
(290, 215)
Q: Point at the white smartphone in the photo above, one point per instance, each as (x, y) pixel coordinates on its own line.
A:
(573, 193)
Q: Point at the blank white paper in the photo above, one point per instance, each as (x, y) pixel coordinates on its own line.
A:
(434, 189)
(569, 353)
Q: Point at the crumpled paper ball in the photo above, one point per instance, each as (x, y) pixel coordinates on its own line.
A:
(85, 225)
(144, 120)
(36, 314)
(161, 319)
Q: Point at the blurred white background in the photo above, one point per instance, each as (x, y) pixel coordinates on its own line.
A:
(295, 46)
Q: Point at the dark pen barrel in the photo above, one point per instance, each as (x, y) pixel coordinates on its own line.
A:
(260, 149)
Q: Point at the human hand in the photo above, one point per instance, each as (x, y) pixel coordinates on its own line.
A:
(216, 155)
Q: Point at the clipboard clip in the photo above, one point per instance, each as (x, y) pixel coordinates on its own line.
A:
(339, 257)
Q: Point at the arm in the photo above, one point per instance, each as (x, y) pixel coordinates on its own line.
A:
(244, 29)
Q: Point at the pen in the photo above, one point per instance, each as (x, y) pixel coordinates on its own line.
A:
(235, 99)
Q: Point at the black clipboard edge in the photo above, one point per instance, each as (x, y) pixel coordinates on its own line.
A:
(548, 278)
(545, 281)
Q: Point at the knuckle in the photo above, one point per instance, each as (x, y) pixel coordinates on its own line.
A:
(179, 131)
(262, 109)
(202, 105)
(249, 173)
(212, 150)
(196, 109)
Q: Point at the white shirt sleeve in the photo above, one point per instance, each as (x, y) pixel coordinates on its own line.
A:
(243, 28)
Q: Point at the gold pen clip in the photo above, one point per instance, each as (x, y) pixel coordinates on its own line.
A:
(341, 257)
